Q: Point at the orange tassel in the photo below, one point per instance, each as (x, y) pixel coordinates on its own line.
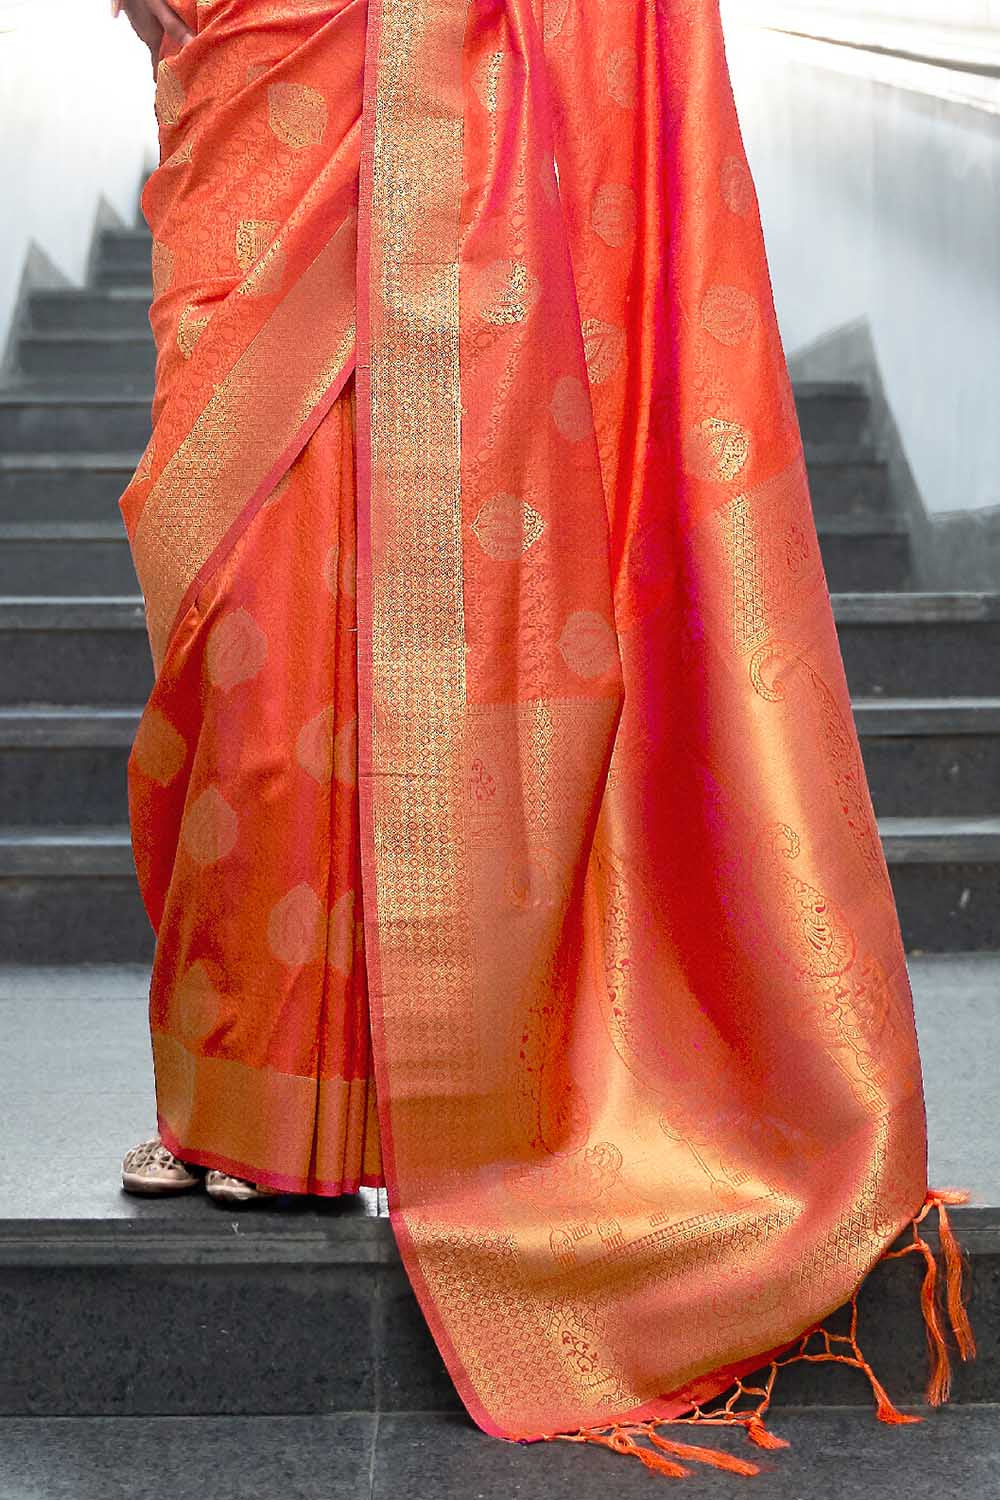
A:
(658, 1464)
(955, 1265)
(759, 1434)
(885, 1410)
(621, 1442)
(714, 1456)
(938, 1385)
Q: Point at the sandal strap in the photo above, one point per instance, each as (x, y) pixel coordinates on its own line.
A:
(152, 1153)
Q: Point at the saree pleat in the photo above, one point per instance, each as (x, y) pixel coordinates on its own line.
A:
(243, 790)
(498, 803)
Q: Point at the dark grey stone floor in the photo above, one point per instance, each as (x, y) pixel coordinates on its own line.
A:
(76, 1085)
(837, 1454)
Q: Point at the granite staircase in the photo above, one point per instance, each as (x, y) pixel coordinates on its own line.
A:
(76, 665)
(288, 1338)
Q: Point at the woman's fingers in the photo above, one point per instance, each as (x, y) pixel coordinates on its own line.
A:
(170, 21)
(151, 20)
(142, 23)
(144, 26)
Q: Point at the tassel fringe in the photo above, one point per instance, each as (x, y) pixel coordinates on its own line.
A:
(621, 1437)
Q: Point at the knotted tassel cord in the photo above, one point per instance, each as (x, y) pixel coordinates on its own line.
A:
(620, 1437)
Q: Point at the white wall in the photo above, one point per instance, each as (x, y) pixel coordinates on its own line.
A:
(76, 125)
(881, 203)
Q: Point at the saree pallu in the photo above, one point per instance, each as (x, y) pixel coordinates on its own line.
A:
(498, 802)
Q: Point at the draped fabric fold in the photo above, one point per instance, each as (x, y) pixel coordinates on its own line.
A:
(526, 863)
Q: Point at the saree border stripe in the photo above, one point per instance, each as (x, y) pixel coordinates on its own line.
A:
(240, 1112)
(223, 470)
(411, 645)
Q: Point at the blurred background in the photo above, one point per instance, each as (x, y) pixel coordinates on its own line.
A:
(873, 132)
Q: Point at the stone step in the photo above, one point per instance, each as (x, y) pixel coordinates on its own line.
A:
(938, 756)
(67, 650)
(833, 425)
(92, 557)
(69, 895)
(56, 416)
(125, 245)
(847, 483)
(127, 353)
(863, 552)
(68, 310)
(65, 558)
(67, 892)
(381, 1456)
(82, 485)
(135, 277)
(834, 412)
(946, 880)
(127, 1307)
(894, 645)
(45, 487)
(123, 256)
(65, 765)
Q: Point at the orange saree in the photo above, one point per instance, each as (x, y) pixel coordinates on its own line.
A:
(498, 804)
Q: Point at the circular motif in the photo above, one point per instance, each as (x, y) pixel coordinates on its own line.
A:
(159, 750)
(295, 926)
(209, 829)
(331, 568)
(321, 752)
(588, 644)
(314, 745)
(603, 348)
(199, 1004)
(737, 186)
(169, 98)
(728, 314)
(506, 527)
(613, 213)
(505, 292)
(162, 267)
(716, 449)
(349, 572)
(345, 753)
(190, 328)
(235, 650)
(621, 72)
(252, 238)
(554, 18)
(297, 114)
(571, 410)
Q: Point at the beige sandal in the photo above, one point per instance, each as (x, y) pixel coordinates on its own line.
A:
(226, 1189)
(150, 1168)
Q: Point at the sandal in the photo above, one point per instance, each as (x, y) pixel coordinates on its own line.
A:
(226, 1189)
(150, 1168)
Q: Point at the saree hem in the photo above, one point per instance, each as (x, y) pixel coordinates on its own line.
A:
(619, 1433)
(281, 1181)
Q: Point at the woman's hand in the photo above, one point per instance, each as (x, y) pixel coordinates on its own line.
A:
(151, 20)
